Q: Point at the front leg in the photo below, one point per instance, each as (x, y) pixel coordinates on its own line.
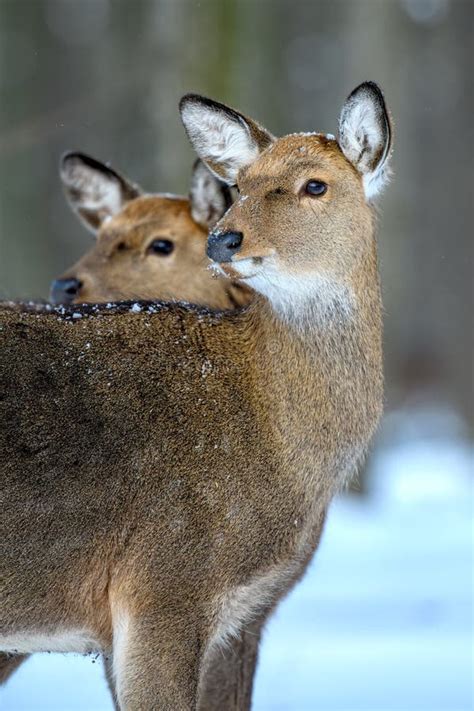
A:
(227, 681)
(155, 661)
(228, 674)
(109, 675)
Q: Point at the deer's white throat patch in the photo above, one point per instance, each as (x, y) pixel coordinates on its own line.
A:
(298, 297)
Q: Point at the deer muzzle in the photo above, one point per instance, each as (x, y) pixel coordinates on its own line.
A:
(221, 246)
(64, 291)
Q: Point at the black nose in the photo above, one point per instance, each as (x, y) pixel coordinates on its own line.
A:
(222, 246)
(64, 291)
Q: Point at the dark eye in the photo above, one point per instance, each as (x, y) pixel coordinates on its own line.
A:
(122, 246)
(315, 188)
(162, 247)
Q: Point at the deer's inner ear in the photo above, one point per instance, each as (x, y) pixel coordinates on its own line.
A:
(223, 138)
(365, 135)
(209, 196)
(94, 191)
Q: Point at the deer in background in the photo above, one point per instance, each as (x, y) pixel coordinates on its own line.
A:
(166, 471)
(152, 246)
(147, 246)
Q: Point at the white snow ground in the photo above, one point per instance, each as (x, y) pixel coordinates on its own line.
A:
(381, 622)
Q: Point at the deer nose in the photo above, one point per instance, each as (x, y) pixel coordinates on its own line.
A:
(221, 246)
(64, 291)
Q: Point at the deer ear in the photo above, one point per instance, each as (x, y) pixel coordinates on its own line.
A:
(94, 191)
(365, 135)
(210, 198)
(224, 139)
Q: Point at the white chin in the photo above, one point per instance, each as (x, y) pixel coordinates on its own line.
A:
(246, 267)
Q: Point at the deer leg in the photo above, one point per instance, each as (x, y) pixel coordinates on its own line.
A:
(227, 680)
(109, 675)
(8, 664)
(155, 664)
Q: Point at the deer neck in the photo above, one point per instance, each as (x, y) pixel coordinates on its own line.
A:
(321, 375)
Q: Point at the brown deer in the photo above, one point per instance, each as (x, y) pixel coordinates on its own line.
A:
(147, 246)
(152, 246)
(166, 470)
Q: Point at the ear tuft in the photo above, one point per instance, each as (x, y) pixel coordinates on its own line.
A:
(210, 198)
(94, 191)
(365, 135)
(223, 138)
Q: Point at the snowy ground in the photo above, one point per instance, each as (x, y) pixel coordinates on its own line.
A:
(381, 622)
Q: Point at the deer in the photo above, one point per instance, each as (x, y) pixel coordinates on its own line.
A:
(166, 469)
(146, 246)
(129, 260)
(153, 246)
(150, 246)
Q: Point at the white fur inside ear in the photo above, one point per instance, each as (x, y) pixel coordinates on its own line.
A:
(208, 196)
(220, 139)
(91, 190)
(365, 139)
(375, 181)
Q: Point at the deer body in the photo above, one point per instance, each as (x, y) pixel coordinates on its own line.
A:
(154, 508)
(166, 469)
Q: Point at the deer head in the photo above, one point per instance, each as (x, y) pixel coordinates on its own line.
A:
(302, 226)
(147, 246)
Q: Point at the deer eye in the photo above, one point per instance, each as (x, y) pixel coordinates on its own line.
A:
(163, 247)
(315, 188)
(122, 246)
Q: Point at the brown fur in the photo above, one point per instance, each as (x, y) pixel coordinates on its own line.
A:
(120, 264)
(166, 473)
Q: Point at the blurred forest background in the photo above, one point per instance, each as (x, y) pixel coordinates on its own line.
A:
(105, 77)
(387, 607)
